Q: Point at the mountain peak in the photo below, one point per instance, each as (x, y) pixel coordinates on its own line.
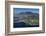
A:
(26, 13)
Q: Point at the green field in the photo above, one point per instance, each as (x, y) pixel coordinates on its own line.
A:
(30, 21)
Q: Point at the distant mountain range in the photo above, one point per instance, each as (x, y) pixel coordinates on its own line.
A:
(23, 15)
(28, 13)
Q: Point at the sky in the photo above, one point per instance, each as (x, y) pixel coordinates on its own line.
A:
(19, 10)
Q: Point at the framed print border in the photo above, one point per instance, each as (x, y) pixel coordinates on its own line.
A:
(7, 17)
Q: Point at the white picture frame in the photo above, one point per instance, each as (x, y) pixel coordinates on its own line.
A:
(29, 30)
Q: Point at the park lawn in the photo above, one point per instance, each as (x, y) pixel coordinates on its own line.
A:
(34, 21)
